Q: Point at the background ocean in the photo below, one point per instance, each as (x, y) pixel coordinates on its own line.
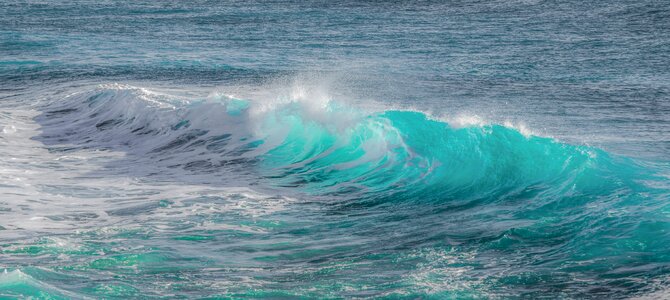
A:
(283, 149)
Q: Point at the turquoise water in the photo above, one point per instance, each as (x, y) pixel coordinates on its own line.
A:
(320, 150)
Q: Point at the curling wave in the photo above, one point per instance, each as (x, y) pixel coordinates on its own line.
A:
(327, 148)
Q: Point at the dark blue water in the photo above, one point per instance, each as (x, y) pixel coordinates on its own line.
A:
(284, 149)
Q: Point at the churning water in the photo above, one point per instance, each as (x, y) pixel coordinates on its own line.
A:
(286, 149)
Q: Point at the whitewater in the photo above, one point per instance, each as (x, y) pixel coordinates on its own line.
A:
(515, 149)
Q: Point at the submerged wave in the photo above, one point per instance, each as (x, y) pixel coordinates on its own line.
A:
(17, 284)
(560, 213)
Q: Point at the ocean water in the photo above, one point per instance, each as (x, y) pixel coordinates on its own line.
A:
(312, 149)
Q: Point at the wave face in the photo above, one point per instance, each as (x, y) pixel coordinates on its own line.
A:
(456, 209)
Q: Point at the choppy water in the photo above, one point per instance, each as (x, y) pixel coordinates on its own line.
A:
(494, 149)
